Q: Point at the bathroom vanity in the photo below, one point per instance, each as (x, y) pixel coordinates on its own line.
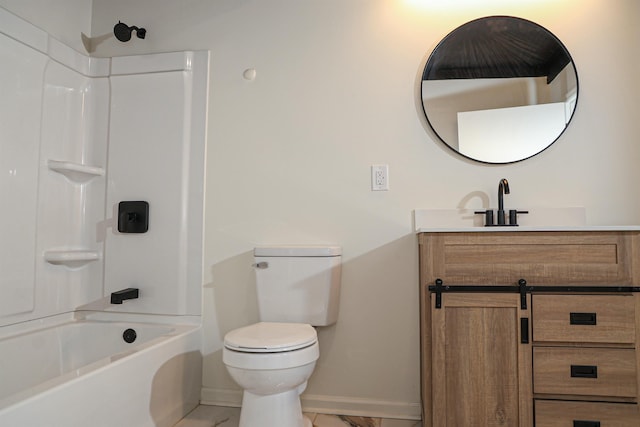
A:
(530, 327)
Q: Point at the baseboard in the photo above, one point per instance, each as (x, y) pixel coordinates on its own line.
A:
(221, 397)
(321, 404)
(362, 407)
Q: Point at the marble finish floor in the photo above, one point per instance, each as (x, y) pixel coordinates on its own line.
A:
(220, 416)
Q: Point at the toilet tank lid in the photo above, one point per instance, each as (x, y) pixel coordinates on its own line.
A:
(295, 251)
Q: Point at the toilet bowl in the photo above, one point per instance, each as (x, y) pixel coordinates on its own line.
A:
(298, 287)
(272, 362)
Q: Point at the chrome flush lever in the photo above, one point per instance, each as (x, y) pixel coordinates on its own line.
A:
(261, 265)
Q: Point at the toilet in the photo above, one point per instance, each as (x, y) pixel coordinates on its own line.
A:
(298, 287)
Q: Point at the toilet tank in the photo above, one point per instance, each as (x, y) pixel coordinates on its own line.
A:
(298, 284)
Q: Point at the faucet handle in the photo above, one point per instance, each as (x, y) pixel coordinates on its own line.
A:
(513, 216)
(488, 217)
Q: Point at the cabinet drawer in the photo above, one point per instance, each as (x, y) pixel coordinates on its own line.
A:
(584, 318)
(585, 371)
(553, 413)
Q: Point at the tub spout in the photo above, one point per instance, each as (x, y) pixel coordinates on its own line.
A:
(124, 294)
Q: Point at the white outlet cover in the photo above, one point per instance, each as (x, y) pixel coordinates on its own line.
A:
(379, 177)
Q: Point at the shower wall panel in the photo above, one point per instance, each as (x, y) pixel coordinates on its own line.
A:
(20, 110)
(71, 201)
(78, 135)
(156, 154)
(53, 143)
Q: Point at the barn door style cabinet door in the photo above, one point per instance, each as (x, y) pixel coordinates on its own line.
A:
(481, 361)
(530, 328)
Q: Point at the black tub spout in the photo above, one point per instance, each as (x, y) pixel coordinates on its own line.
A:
(124, 294)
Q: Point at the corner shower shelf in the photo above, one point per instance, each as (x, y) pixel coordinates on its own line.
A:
(74, 171)
(71, 259)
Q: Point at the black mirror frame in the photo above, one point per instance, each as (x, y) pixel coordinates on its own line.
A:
(444, 39)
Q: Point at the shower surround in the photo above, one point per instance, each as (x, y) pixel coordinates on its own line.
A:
(79, 135)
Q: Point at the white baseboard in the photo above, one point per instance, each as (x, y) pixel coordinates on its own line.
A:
(321, 404)
(221, 397)
(363, 407)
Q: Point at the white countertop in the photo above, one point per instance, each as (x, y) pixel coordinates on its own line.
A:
(482, 229)
(538, 219)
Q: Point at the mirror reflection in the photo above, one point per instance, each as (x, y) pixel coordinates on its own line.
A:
(499, 89)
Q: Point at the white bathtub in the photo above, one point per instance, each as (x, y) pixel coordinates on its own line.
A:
(79, 371)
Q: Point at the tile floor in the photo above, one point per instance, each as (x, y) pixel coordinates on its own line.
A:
(220, 416)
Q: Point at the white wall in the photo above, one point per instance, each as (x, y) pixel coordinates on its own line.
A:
(65, 20)
(337, 90)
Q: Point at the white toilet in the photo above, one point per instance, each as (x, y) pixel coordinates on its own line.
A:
(298, 287)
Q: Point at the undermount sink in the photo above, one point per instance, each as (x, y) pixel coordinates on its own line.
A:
(429, 220)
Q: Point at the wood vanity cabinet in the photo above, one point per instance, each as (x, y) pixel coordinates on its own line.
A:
(530, 328)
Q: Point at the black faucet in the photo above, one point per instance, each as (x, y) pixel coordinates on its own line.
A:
(503, 188)
(125, 294)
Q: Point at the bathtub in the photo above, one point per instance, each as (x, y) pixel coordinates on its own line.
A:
(77, 370)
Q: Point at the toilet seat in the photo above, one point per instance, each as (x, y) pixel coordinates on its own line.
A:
(271, 337)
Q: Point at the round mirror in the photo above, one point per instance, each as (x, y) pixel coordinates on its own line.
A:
(499, 89)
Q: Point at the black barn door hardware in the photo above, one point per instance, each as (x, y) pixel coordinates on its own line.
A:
(522, 284)
(523, 289)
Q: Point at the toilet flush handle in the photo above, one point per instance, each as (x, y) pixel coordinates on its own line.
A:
(261, 265)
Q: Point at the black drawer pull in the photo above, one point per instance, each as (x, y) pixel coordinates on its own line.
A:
(577, 423)
(582, 318)
(584, 371)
